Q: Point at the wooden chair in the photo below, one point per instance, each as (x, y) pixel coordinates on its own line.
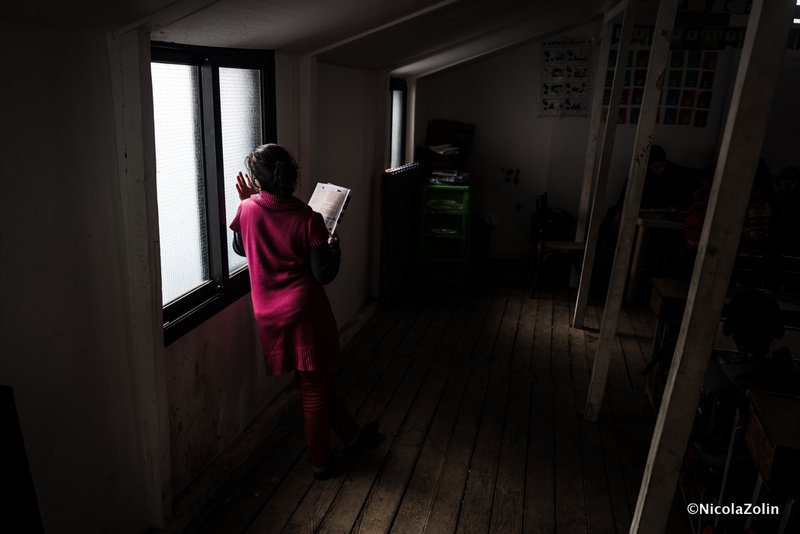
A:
(546, 249)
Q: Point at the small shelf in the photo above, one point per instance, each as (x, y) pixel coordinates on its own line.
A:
(447, 237)
(446, 212)
(444, 233)
(444, 206)
(441, 260)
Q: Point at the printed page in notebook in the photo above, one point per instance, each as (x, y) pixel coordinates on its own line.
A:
(329, 200)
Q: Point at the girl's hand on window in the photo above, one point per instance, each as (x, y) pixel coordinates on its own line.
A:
(245, 186)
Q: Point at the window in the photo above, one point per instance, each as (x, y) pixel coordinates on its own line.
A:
(210, 108)
(398, 125)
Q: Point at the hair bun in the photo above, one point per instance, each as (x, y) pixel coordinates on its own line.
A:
(754, 313)
(274, 168)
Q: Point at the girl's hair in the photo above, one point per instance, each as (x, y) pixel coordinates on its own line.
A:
(657, 153)
(274, 169)
(754, 320)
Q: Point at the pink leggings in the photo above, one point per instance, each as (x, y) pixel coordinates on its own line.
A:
(323, 409)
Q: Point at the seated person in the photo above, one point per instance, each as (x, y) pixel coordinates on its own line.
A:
(754, 321)
(666, 185)
(757, 222)
(757, 227)
(696, 216)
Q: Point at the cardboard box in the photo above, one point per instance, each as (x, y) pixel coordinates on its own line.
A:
(773, 439)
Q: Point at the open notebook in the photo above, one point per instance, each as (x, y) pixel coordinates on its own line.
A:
(330, 201)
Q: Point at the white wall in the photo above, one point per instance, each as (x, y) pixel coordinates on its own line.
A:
(65, 330)
(350, 145)
(77, 304)
(699, 147)
(216, 387)
(685, 145)
(783, 136)
(500, 95)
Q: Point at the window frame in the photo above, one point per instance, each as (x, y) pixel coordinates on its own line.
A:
(398, 84)
(222, 289)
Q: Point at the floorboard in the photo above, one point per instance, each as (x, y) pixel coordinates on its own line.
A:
(415, 507)
(480, 394)
(509, 496)
(539, 511)
(383, 498)
(450, 485)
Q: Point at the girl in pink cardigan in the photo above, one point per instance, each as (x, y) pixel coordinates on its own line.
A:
(290, 256)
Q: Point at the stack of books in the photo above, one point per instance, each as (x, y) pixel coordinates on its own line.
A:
(449, 177)
(444, 150)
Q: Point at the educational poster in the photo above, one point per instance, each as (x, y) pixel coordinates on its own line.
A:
(565, 78)
(688, 86)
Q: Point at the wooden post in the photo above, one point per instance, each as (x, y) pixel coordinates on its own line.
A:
(759, 67)
(587, 183)
(135, 200)
(606, 152)
(630, 211)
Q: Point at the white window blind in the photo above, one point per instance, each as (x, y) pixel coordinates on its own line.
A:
(241, 118)
(179, 179)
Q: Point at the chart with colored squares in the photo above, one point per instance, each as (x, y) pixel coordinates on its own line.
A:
(698, 45)
(688, 87)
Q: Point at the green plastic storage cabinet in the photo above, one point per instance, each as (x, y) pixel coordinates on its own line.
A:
(444, 233)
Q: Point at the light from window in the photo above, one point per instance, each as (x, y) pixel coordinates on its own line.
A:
(179, 179)
(240, 106)
(397, 128)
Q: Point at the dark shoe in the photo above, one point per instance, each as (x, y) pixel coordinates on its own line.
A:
(368, 438)
(330, 471)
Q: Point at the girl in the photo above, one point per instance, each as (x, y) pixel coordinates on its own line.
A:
(290, 255)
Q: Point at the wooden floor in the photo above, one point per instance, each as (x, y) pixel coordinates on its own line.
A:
(480, 396)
